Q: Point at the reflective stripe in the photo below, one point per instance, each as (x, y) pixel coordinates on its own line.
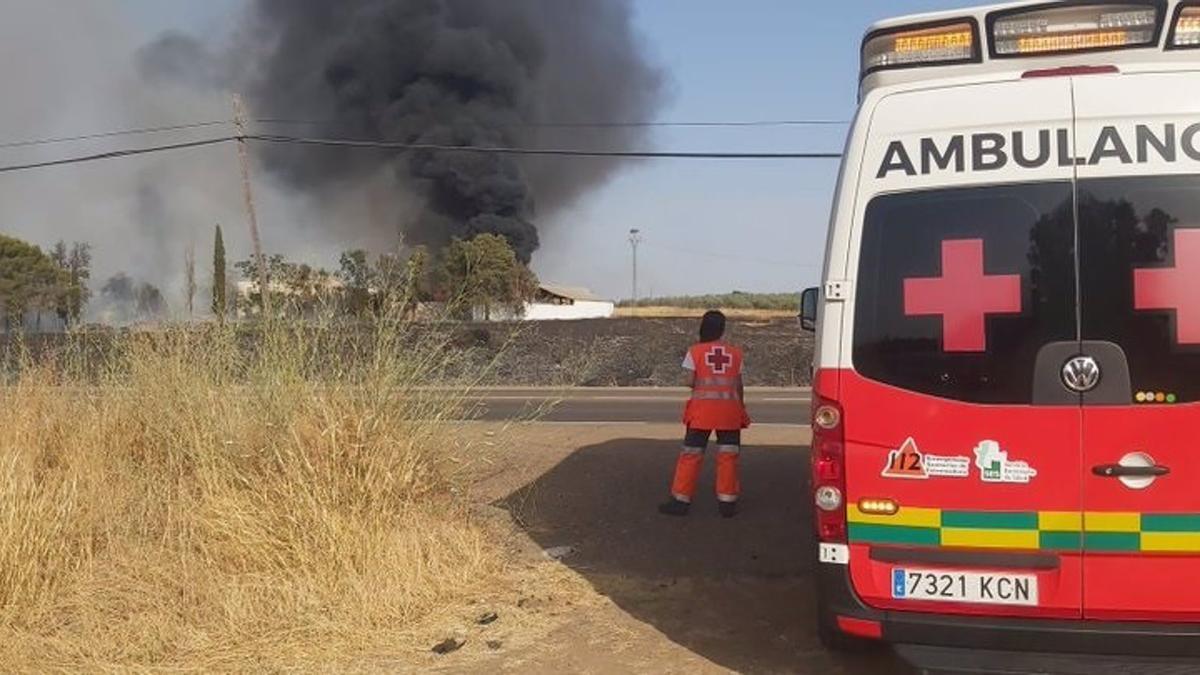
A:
(717, 381)
(715, 396)
(692, 451)
(728, 499)
(729, 449)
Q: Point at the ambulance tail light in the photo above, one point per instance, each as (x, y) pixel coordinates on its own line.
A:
(829, 470)
(1185, 34)
(939, 44)
(1075, 28)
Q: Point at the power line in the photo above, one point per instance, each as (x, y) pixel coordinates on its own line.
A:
(115, 154)
(553, 152)
(383, 145)
(549, 125)
(613, 125)
(111, 134)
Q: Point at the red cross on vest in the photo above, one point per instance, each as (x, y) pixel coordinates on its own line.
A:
(716, 402)
(718, 360)
(963, 296)
(1174, 288)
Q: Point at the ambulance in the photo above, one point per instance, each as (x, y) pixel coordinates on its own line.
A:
(1006, 413)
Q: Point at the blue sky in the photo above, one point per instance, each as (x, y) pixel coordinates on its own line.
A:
(708, 226)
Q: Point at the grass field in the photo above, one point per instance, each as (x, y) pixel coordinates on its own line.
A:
(192, 505)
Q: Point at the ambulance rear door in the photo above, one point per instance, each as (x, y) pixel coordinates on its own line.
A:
(963, 457)
(1139, 216)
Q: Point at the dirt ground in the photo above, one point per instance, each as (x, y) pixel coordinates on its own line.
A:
(642, 593)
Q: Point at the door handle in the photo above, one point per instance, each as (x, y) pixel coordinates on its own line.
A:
(1120, 471)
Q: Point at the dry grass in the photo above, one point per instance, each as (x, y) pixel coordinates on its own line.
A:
(687, 313)
(191, 504)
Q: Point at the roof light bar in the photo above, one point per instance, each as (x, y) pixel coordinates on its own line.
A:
(1186, 33)
(922, 45)
(1075, 28)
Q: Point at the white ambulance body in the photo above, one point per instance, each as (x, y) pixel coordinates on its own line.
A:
(1007, 377)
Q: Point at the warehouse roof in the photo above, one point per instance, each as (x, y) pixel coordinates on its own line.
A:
(577, 293)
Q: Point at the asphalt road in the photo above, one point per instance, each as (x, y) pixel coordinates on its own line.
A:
(628, 405)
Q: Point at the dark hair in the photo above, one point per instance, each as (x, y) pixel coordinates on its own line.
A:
(712, 326)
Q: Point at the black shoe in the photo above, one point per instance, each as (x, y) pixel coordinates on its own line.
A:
(674, 508)
(727, 509)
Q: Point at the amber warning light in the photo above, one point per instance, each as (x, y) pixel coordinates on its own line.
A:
(1186, 34)
(878, 507)
(916, 46)
(1076, 29)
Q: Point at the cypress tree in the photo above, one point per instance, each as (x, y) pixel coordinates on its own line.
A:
(218, 290)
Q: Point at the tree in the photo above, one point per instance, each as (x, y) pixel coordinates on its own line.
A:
(277, 267)
(403, 283)
(30, 280)
(80, 267)
(390, 277)
(76, 262)
(118, 294)
(119, 288)
(418, 285)
(355, 272)
(306, 286)
(131, 300)
(148, 301)
(483, 273)
(189, 278)
(301, 284)
(219, 282)
(59, 253)
(248, 269)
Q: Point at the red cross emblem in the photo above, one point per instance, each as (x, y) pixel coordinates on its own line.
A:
(963, 296)
(718, 360)
(1174, 288)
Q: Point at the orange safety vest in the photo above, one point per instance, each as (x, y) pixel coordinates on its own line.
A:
(716, 403)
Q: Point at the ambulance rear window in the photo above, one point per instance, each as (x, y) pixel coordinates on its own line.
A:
(958, 289)
(1139, 259)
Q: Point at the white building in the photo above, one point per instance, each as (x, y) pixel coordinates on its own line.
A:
(557, 303)
(554, 302)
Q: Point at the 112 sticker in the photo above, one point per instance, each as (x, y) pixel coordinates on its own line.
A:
(908, 461)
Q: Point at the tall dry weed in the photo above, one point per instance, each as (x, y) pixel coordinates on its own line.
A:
(208, 498)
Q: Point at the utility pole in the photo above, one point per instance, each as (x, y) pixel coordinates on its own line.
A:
(239, 121)
(635, 238)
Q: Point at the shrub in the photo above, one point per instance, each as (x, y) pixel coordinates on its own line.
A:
(189, 503)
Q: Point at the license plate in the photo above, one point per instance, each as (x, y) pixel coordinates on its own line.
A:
(989, 588)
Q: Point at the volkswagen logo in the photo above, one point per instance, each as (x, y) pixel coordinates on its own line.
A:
(1081, 374)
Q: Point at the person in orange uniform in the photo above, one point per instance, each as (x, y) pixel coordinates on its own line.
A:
(717, 404)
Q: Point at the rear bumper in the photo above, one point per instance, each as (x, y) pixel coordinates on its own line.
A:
(836, 597)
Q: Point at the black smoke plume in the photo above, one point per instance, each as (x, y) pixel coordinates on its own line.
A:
(447, 72)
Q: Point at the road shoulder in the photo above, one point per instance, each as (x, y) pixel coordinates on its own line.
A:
(637, 592)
